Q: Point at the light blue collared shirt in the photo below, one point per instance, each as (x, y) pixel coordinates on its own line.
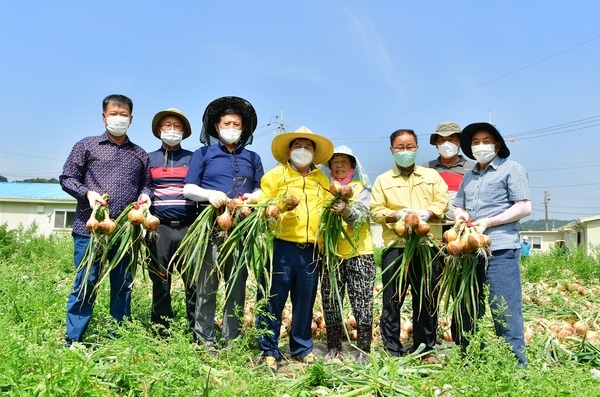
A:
(492, 191)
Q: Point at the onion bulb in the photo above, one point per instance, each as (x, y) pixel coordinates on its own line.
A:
(151, 223)
(346, 192)
(225, 221)
(450, 235)
(335, 187)
(400, 229)
(234, 202)
(271, 211)
(411, 219)
(423, 229)
(136, 216)
(291, 202)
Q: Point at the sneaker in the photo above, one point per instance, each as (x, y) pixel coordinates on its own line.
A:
(308, 359)
(270, 362)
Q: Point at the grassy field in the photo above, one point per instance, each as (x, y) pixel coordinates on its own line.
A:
(562, 312)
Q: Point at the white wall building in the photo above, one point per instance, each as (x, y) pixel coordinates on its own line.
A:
(45, 204)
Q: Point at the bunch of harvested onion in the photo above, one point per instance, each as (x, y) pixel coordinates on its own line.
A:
(189, 256)
(331, 229)
(128, 240)
(418, 243)
(100, 226)
(139, 214)
(99, 221)
(250, 242)
(459, 289)
(331, 226)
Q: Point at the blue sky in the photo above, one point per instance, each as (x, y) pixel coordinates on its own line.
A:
(352, 70)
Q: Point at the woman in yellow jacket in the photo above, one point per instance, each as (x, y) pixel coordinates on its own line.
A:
(295, 269)
(357, 266)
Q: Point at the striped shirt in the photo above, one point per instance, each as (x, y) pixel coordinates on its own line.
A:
(491, 192)
(168, 173)
(96, 163)
(453, 176)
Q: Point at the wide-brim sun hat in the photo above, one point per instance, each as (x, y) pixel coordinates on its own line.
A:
(444, 129)
(280, 146)
(213, 112)
(466, 137)
(171, 112)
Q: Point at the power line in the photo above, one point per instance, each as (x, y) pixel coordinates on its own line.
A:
(480, 85)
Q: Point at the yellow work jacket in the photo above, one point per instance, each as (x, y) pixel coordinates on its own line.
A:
(423, 189)
(301, 224)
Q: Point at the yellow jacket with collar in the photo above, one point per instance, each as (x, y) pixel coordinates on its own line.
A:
(301, 224)
(423, 189)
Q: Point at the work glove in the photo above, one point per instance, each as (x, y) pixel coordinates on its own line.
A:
(94, 197)
(340, 207)
(423, 214)
(251, 198)
(217, 199)
(400, 214)
(144, 199)
(482, 224)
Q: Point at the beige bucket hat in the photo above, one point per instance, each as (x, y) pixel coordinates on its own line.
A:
(171, 112)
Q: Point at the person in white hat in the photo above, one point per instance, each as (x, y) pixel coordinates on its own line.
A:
(219, 171)
(356, 270)
(407, 187)
(296, 266)
(168, 168)
(495, 194)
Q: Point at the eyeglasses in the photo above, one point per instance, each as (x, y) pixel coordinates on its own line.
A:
(410, 148)
(172, 126)
(340, 161)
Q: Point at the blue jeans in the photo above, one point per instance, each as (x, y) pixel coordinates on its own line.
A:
(503, 277)
(295, 272)
(80, 306)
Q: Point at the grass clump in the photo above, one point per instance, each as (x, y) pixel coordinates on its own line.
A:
(38, 274)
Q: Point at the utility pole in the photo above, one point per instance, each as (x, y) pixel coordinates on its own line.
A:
(282, 126)
(546, 201)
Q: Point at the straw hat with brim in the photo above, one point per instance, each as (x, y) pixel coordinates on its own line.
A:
(466, 137)
(214, 110)
(171, 112)
(280, 147)
(444, 129)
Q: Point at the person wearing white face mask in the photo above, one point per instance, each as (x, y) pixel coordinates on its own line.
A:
(219, 171)
(495, 195)
(407, 187)
(295, 268)
(451, 165)
(168, 168)
(104, 164)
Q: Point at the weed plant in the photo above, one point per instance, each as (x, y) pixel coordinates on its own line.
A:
(37, 275)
